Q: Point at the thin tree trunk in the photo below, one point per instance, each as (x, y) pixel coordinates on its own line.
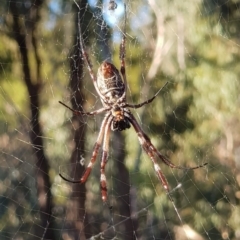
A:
(76, 213)
(122, 186)
(26, 38)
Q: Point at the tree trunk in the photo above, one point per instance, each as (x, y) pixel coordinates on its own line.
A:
(76, 213)
(122, 186)
(24, 34)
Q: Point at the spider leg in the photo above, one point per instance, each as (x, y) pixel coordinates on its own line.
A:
(147, 146)
(76, 112)
(85, 55)
(94, 154)
(170, 164)
(122, 56)
(104, 160)
(152, 151)
(147, 101)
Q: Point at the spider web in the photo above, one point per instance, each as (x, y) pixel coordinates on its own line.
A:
(195, 119)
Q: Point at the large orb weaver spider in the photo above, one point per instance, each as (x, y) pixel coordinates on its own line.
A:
(111, 88)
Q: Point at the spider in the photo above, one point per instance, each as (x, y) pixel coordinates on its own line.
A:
(111, 88)
(112, 5)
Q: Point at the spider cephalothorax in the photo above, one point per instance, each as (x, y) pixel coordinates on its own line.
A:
(111, 87)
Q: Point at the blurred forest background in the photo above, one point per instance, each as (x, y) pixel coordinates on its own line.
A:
(193, 45)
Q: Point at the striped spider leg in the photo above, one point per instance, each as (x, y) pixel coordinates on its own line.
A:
(152, 152)
(104, 136)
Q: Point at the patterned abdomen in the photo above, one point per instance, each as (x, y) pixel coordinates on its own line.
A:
(109, 82)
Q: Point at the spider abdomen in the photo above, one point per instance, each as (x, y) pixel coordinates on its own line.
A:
(109, 82)
(120, 125)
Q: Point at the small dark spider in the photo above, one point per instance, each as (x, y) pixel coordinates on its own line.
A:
(112, 5)
(111, 88)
